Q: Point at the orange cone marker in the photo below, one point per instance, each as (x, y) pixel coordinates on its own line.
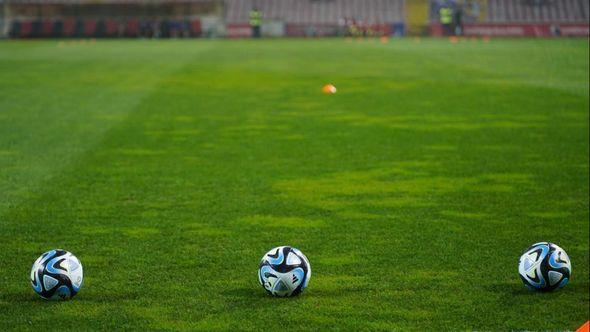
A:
(329, 88)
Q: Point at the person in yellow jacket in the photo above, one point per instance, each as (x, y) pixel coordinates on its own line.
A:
(446, 19)
(255, 22)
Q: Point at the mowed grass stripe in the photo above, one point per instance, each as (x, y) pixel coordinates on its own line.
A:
(60, 101)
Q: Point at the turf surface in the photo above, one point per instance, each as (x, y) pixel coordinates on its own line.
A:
(169, 168)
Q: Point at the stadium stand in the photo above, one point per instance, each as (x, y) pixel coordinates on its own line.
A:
(318, 11)
(210, 18)
(516, 18)
(318, 17)
(521, 11)
(104, 18)
(502, 11)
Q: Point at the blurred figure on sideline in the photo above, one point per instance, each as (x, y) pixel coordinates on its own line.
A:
(446, 19)
(255, 22)
(459, 21)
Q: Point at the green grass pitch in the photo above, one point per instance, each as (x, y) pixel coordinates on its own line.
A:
(170, 167)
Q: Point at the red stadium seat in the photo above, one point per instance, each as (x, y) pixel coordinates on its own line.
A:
(89, 28)
(195, 28)
(69, 28)
(112, 28)
(132, 28)
(46, 28)
(26, 29)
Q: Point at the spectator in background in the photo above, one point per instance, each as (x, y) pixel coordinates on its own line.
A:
(156, 28)
(174, 27)
(255, 22)
(446, 19)
(121, 28)
(555, 29)
(144, 29)
(185, 28)
(458, 20)
(341, 26)
(475, 10)
(353, 28)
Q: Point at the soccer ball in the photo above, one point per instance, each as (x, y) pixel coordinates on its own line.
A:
(544, 267)
(284, 271)
(57, 275)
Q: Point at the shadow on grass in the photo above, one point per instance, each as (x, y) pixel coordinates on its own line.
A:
(22, 297)
(242, 293)
(518, 289)
(249, 294)
(31, 297)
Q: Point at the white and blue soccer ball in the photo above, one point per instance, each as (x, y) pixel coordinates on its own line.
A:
(57, 275)
(284, 271)
(545, 267)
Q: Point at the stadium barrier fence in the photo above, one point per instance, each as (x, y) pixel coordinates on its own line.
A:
(106, 28)
(518, 30)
